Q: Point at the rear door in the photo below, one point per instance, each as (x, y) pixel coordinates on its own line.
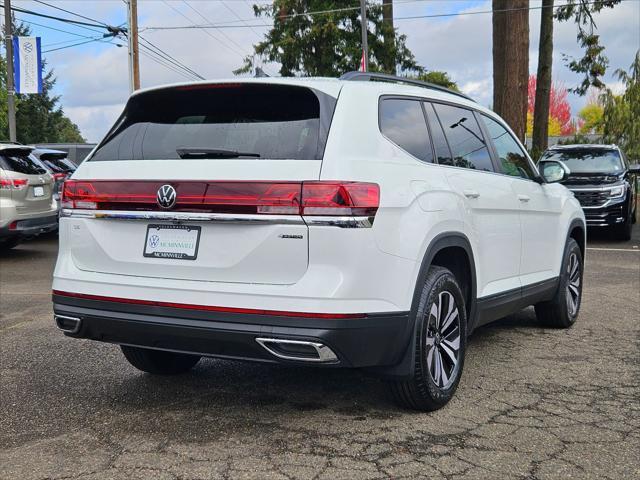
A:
(492, 220)
(228, 159)
(30, 185)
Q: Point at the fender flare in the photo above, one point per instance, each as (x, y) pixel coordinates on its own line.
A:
(577, 222)
(405, 367)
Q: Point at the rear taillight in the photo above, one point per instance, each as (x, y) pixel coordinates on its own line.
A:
(289, 198)
(340, 198)
(59, 176)
(14, 183)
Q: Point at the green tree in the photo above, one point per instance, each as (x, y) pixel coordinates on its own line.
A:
(438, 78)
(594, 63)
(39, 118)
(621, 116)
(592, 118)
(328, 44)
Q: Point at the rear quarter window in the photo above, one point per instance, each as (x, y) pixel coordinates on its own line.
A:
(402, 121)
(267, 121)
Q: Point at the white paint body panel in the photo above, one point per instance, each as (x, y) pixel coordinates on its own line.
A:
(334, 270)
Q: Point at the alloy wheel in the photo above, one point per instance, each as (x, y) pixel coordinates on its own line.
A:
(443, 340)
(573, 285)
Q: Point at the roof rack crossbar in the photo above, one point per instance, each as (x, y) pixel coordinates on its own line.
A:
(383, 77)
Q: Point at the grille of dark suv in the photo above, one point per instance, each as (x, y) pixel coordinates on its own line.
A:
(591, 198)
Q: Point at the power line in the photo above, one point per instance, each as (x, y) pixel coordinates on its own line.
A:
(60, 19)
(151, 46)
(234, 23)
(100, 39)
(207, 20)
(52, 28)
(167, 65)
(194, 24)
(72, 13)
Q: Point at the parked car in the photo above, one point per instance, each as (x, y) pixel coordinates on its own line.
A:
(76, 152)
(604, 182)
(338, 223)
(27, 206)
(57, 163)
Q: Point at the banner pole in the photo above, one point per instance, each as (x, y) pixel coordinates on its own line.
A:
(11, 101)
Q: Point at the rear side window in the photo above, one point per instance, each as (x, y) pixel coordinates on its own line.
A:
(467, 144)
(20, 163)
(512, 159)
(443, 154)
(402, 121)
(253, 120)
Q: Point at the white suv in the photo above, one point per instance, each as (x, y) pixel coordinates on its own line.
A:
(368, 222)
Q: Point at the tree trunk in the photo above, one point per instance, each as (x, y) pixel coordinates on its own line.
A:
(511, 62)
(389, 35)
(543, 81)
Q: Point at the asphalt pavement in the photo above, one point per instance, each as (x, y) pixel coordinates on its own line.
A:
(533, 402)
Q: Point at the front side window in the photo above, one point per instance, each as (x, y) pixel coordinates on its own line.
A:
(402, 122)
(467, 145)
(513, 160)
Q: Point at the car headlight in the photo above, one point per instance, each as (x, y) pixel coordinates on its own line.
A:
(617, 192)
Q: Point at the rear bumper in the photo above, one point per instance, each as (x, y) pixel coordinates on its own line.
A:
(30, 226)
(378, 339)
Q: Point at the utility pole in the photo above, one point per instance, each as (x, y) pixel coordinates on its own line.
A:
(134, 56)
(11, 101)
(365, 46)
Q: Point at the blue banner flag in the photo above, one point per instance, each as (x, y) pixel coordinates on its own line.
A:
(27, 64)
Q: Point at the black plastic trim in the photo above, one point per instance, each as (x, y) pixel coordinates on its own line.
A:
(378, 339)
(500, 305)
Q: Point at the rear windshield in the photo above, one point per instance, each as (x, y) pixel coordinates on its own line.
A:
(20, 162)
(259, 121)
(59, 164)
(585, 160)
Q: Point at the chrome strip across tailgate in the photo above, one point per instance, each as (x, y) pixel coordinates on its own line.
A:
(328, 221)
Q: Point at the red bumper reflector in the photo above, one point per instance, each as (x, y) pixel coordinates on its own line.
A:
(209, 308)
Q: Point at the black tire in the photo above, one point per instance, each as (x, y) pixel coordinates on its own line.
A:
(563, 309)
(9, 243)
(425, 390)
(159, 362)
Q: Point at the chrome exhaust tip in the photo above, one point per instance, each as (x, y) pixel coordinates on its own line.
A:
(68, 324)
(299, 350)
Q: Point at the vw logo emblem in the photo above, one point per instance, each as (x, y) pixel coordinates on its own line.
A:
(166, 196)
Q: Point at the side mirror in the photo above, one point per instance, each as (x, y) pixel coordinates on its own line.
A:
(554, 171)
(634, 168)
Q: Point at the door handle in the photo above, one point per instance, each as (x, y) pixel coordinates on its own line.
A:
(471, 194)
(524, 198)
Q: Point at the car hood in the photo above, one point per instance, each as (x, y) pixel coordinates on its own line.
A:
(597, 179)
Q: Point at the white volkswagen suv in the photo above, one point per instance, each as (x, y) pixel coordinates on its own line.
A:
(368, 222)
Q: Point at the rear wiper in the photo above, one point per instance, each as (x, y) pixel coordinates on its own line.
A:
(196, 153)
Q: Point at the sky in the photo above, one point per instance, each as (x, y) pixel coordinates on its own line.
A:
(93, 79)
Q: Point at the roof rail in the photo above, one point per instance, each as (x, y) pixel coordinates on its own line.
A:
(383, 77)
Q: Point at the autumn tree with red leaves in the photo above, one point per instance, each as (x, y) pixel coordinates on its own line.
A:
(560, 121)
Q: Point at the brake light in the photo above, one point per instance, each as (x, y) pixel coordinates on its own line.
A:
(59, 176)
(289, 198)
(340, 198)
(14, 183)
